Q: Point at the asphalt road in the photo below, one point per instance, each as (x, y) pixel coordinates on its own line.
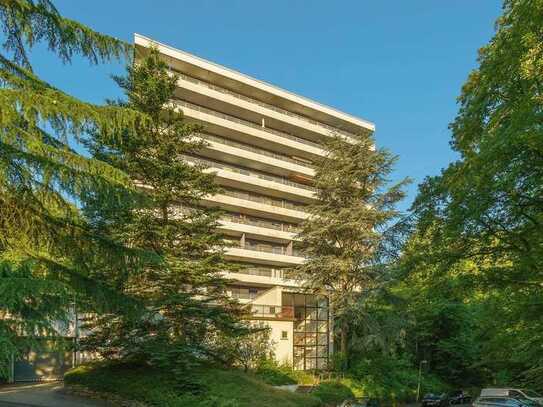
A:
(42, 395)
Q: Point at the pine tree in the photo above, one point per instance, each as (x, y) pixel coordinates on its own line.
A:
(345, 235)
(184, 293)
(49, 252)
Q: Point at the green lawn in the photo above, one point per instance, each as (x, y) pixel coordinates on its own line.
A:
(197, 388)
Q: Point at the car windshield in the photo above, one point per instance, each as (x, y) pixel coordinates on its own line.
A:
(531, 393)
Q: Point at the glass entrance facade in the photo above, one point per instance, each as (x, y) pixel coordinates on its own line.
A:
(311, 330)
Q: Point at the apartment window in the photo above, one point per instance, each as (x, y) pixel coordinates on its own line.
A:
(284, 335)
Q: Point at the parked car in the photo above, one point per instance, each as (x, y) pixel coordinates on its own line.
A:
(513, 393)
(446, 399)
(504, 402)
(434, 400)
(458, 397)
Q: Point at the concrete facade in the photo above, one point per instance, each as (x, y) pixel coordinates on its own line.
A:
(262, 141)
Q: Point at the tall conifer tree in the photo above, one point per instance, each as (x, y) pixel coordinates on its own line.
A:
(344, 237)
(49, 252)
(185, 294)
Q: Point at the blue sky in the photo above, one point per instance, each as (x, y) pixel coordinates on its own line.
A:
(397, 63)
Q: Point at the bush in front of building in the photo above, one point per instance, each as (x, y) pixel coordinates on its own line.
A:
(333, 392)
(282, 374)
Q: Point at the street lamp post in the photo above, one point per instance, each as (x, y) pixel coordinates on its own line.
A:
(422, 362)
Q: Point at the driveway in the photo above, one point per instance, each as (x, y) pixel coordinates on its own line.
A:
(42, 395)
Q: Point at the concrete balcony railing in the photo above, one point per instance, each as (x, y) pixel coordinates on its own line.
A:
(253, 208)
(253, 149)
(260, 257)
(249, 173)
(262, 223)
(256, 232)
(264, 277)
(209, 116)
(322, 128)
(258, 160)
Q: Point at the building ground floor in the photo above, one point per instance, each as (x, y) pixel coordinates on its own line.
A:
(300, 333)
(300, 323)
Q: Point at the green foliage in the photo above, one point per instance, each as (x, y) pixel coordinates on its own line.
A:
(476, 254)
(392, 378)
(332, 392)
(46, 246)
(215, 387)
(345, 238)
(250, 350)
(277, 374)
(184, 292)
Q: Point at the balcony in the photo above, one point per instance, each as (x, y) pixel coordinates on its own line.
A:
(254, 208)
(264, 277)
(243, 130)
(270, 311)
(238, 154)
(252, 180)
(261, 223)
(254, 232)
(218, 94)
(242, 254)
(260, 151)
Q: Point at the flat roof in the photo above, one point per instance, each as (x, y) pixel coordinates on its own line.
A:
(262, 90)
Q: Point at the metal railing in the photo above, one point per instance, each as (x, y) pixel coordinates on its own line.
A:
(247, 123)
(284, 227)
(263, 104)
(267, 272)
(269, 248)
(247, 147)
(251, 173)
(271, 311)
(280, 203)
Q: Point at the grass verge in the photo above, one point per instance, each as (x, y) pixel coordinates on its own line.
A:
(204, 387)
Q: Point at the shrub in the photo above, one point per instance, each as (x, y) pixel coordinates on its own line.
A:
(392, 378)
(281, 374)
(332, 392)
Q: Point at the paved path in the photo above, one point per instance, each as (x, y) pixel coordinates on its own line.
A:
(42, 395)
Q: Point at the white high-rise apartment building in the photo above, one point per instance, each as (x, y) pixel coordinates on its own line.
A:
(262, 141)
